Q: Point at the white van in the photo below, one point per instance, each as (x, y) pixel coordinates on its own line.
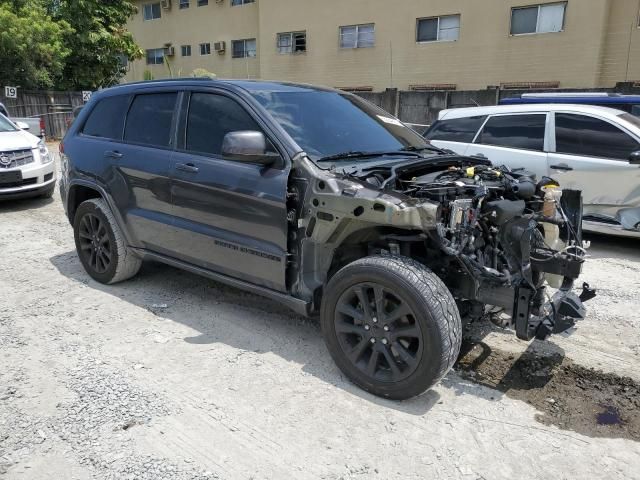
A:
(588, 148)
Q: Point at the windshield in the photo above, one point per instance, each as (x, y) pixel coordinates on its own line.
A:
(6, 125)
(330, 123)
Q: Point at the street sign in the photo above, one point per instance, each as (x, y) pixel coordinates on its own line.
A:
(11, 92)
(86, 96)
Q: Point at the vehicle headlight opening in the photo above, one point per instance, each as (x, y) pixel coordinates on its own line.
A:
(44, 153)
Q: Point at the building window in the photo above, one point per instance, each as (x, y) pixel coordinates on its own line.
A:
(235, 3)
(205, 49)
(155, 56)
(243, 48)
(185, 50)
(151, 11)
(357, 36)
(203, 3)
(184, 4)
(544, 18)
(292, 42)
(438, 29)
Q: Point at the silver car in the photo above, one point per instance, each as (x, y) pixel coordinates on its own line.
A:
(588, 148)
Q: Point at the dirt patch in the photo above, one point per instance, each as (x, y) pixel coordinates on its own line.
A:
(571, 397)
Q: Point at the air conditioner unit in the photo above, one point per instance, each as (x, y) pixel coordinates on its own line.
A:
(220, 47)
(166, 4)
(169, 51)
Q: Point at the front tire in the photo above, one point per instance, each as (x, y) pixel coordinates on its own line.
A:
(101, 245)
(391, 325)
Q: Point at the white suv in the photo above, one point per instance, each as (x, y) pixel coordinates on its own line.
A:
(593, 149)
(26, 168)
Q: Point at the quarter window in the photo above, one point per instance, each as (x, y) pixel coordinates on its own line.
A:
(515, 131)
(358, 36)
(292, 42)
(149, 119)
(456, 130)
(438, 29)
(106, 120)
(210, 118)
(185, 50)
(151, 11)
(588, 136)
(205, 49)
(544, 18)
(155, 56)
(244, 48)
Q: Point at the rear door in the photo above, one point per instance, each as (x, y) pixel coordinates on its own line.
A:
(514, 140)
(231, 216)
(592, 154)
(455, 134)
(139, 177)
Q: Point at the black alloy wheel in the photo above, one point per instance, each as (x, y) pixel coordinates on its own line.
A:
(95, 244)
(378, 332)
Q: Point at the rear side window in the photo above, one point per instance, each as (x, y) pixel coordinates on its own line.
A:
(456, 130)
(106, 120)
(210, 118)
(515, 131)
(149, 119)
(582, 135)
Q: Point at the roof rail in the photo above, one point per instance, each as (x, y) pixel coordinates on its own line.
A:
(570, 95)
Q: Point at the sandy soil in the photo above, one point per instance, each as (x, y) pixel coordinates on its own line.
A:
(173, 376)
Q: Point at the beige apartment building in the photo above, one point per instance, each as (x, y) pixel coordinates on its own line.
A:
(405, 44)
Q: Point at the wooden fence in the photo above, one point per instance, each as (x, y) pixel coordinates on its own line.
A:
(56, 108)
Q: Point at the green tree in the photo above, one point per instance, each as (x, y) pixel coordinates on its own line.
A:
(99, 42)
(32, 47)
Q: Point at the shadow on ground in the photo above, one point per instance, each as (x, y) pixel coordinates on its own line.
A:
(24, 204)
(568, 396)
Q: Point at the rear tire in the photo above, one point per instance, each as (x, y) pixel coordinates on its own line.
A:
(101, 245)
(391, 325)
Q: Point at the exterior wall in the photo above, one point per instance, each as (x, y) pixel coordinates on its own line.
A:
(592, 50)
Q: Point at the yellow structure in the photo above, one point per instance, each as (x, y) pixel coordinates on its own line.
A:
(405, 44)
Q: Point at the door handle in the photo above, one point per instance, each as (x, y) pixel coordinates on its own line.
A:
(562, 167)
(187, 167)
(112, 154)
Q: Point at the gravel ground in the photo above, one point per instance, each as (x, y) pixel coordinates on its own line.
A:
(173, 376)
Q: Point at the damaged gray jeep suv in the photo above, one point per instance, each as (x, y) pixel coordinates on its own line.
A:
(320, 200)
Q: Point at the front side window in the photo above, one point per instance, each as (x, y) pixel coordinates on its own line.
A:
(155, 56)
(205, 49)
(545, 18)
(438, 29)
(515, 131)
(235, 3)
(244, 48)
(210, 118)
(185, 50)
(358, 36)
(292, 42)
(151, 11)
(589, 136)
(456, 130)
(106, 120)
(327, 123)
(149, 119)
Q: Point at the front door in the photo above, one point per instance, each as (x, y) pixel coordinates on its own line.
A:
(592, 155)
(230, 216)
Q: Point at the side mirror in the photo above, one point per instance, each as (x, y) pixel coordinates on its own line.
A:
(634, 158)
(22, 125)
(247, 146)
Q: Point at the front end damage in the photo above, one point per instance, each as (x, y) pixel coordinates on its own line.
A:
(507, 245)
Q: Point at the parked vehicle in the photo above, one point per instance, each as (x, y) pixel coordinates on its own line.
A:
(592, 149)
(626, 103)
(321, 200)
(34, 125)
(26, 168)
